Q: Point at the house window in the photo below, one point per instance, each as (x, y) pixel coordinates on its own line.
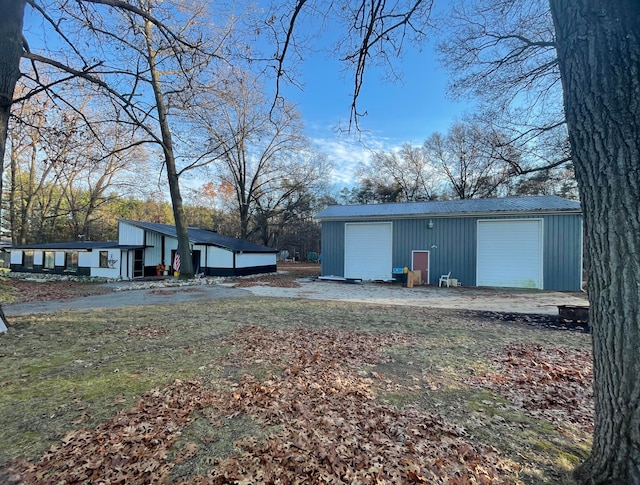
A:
(71, 261)
(27, 259)
(49, 260)
(104, 259)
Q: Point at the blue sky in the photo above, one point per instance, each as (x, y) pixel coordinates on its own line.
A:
(405, 111)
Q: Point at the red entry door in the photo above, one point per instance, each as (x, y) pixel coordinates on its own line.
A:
(421, 262)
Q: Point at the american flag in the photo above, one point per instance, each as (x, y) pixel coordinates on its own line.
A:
(176, 261)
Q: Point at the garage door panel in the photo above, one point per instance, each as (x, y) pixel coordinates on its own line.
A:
(368, 250)
(510, 253)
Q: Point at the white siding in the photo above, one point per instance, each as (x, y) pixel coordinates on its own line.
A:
(153, 255)
(247, 260)
(510, 253)
(129, 235)
(114, 267)
(170, 244)
(368, 250)
(86, 259)
(219, 258)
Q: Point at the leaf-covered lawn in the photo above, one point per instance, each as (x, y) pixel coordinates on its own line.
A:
(280, 391)
(14, 290)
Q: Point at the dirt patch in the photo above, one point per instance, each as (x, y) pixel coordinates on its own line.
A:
(287, 276)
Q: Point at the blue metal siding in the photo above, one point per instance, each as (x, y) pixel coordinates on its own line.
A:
(452, 246)
(563, 253)
(332, 248)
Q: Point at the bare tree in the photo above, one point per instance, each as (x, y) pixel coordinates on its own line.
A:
(29, 178)
(96, 176)
(145, 57)
(409, 169)
(261, 151)
(502, 54)
(552, 181)
(12, 47)
(299, 234)
(280, 200)
(61, 170)
(125, 88)
(469, 159)
(518, 52)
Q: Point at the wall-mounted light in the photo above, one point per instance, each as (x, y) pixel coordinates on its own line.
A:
(430, 224)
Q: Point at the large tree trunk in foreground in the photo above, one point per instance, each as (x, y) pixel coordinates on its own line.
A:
(11, 46)
(598, 46)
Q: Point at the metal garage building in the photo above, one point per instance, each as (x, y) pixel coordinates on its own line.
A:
(526, 242)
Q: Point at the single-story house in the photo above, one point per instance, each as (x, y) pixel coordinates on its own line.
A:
(140, 248)
(213, 254)
(81, 258)
(527, 242)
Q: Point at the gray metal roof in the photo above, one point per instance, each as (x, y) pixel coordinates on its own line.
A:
(450, 208)
(204, 237)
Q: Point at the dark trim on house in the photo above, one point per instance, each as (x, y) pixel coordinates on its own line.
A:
(38, 268)
(240, 271)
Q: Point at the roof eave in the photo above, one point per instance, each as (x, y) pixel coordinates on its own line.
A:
(451, 215)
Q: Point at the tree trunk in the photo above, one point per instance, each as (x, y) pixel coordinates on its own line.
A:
(11, 46)
(244, 220)
(598, 47)
(186, 264)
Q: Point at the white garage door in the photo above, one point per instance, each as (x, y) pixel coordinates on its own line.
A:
(368, 251)
(510, 253)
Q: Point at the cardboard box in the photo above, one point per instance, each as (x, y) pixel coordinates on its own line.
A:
(417, 277)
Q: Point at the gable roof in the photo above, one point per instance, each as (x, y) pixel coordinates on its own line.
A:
(204, 237)
(451, 208)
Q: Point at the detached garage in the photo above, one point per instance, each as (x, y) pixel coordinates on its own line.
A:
(520, 242)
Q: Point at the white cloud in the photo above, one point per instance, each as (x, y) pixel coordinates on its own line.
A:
(347, 153)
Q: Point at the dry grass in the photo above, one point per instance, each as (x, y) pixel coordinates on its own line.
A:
(22, 291)
(79, 370)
